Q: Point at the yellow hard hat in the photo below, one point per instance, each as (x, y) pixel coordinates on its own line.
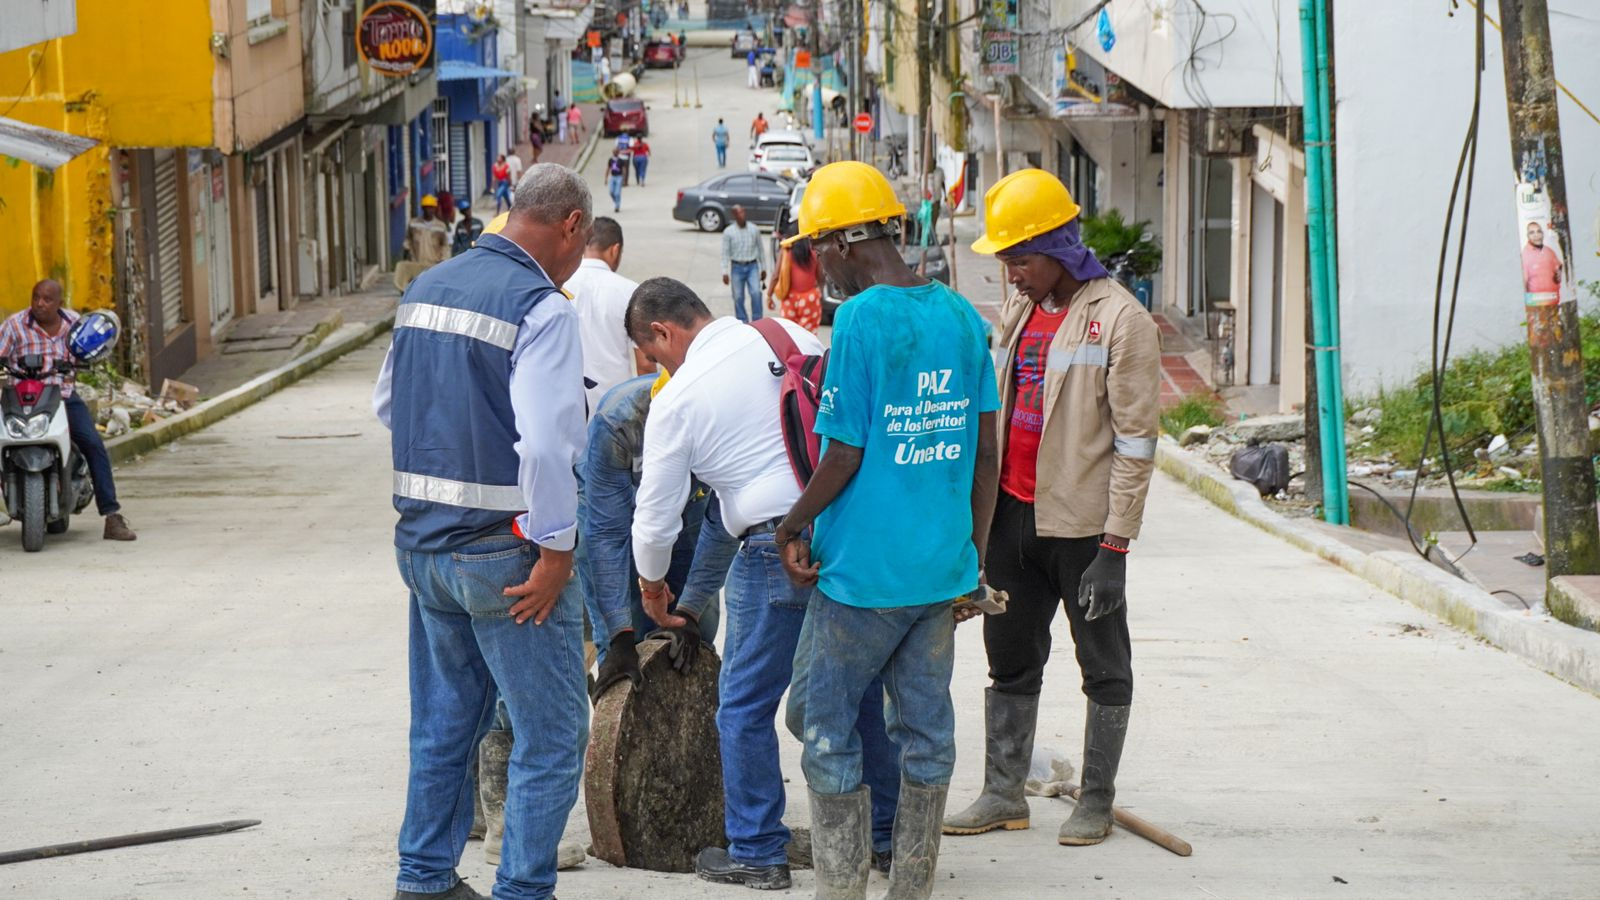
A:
(497, 224)
(430, 200)
(1023, 205)
(843, 194)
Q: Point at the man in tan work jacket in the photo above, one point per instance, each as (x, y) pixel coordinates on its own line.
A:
(1080, 388)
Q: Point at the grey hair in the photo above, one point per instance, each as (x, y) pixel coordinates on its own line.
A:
(549, 193)
(662, 300)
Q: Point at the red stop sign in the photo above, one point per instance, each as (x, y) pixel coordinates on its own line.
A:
(863, 122)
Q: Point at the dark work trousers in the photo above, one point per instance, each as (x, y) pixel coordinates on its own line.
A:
(80, 424)
(1040, 574)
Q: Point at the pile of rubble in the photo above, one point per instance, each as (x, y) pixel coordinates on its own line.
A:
(127, 405)
(1501, 464)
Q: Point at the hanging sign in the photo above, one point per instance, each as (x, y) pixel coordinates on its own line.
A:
(394, 38)
(1000, 52)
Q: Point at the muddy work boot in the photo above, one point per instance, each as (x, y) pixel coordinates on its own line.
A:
(715, 865)
(841, 843)
(494, 763)
(1009, 721)
(916, 840)
(117, 529)
(1103, 735)
(460, 892)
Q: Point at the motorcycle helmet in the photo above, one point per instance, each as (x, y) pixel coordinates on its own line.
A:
(94, 336)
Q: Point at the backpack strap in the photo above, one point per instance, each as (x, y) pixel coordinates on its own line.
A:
(777, 337)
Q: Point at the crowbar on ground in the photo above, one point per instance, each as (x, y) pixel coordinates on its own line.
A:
(125, 840)
(1152, 833)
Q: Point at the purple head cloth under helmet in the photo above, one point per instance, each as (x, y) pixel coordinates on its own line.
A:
(1064, 245)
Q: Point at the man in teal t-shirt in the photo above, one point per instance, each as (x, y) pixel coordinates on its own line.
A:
(901, 502)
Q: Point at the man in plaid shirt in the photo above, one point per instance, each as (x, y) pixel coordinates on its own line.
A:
(42, 329)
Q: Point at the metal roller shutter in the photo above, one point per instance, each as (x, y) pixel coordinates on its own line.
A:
(168, 255)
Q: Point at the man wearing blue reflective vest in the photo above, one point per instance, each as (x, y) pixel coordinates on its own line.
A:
(483, 390)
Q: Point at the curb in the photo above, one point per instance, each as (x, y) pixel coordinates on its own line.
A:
(1568, 653)
(144, 440)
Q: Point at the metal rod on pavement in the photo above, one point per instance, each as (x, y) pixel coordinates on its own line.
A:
(1571, 531)
(125, 840)
(696, 85)
(1152, 833)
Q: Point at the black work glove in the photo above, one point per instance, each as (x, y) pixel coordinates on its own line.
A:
(622, 662)
(683, 642)
(1100, 589)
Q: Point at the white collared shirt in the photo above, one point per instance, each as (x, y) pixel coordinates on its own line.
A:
(718, 419)
(601, 297)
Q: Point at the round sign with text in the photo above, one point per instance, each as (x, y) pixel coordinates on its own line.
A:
(863, 122)
(394, 38)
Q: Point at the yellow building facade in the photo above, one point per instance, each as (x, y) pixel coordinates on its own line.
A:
(133, 75)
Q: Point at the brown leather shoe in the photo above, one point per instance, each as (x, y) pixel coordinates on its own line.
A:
(117, 529)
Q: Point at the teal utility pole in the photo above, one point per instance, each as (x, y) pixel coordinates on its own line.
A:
(1324, 259)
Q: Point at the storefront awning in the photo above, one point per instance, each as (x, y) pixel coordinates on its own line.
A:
(453, 70)
(45, 148)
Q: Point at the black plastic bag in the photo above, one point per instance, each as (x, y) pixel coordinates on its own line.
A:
(1264, 465)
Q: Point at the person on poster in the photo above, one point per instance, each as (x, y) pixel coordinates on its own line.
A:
(1541, 265)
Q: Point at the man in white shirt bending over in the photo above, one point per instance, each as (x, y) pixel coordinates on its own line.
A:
(718, 419)
(601, 296)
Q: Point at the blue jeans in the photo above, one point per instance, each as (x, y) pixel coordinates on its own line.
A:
(640, 164)
(745, 277)
(463, 643)
(847, 649)
(880, 756)
(722, 155)
(80, 424)
(614, 185)
(762, 622)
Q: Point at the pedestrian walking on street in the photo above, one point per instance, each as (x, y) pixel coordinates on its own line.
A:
(574, 130)
(616, 170)
(911, 450)
(536, 144)
(43, 329)
(485, 487)
(719, 139)
(744, 264)
(514, 163)
(706, 424)
(752, 70)
(683, 9)
(1081, 380)
(641, 158)
(558, 108)
(796, 289)
(758, 127)
(502, 183)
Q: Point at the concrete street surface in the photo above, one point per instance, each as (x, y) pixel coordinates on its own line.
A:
(1311, 736)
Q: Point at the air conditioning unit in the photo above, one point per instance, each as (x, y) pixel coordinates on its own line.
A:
(1221, 134)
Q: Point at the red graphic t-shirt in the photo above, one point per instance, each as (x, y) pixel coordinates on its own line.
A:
(1019, 468)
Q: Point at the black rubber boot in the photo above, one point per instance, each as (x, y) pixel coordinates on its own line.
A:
(1008, 749)
(916, 840)
(714, 864)
(841, 843)
(494, 761)
(1104, 731)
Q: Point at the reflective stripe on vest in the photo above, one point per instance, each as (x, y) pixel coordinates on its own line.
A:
(1081, 355)
(499, 497)
(1134, 447)
(464, 322)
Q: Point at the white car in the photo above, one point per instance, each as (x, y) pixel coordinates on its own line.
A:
(788, 160)
(784, 139)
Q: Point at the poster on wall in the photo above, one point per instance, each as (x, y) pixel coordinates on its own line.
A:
(394, 38)
(1000, 52)
(1544, 268)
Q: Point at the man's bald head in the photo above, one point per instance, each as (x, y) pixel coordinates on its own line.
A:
(45, 303)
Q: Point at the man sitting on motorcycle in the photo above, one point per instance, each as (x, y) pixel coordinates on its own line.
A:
(42, 328)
